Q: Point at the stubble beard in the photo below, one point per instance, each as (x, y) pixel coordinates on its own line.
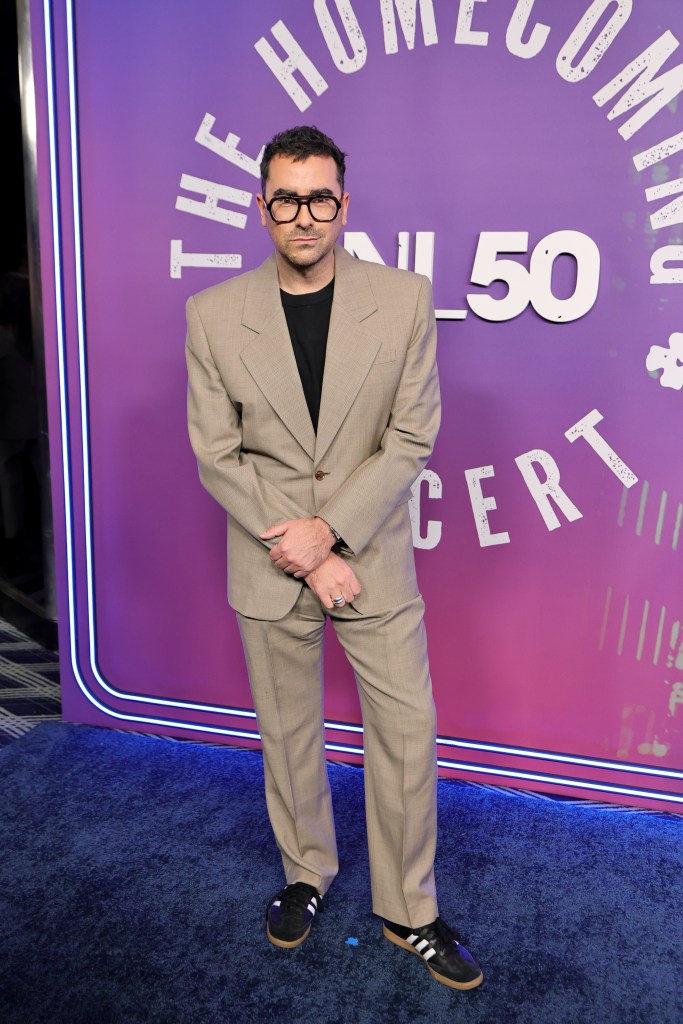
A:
(304, 257)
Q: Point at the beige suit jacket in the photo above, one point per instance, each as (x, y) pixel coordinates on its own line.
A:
(258, 454)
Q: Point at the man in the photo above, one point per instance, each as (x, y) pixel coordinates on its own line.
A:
(313, 406)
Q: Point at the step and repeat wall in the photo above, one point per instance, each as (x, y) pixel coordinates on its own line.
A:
(527, 156)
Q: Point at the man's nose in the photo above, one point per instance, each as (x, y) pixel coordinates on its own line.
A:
(303, 217)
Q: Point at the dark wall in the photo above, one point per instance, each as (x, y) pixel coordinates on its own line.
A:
(13, 218)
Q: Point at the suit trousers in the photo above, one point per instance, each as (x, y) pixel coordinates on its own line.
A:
(388, 653)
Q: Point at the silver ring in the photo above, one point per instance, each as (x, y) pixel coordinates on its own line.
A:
(338, 601)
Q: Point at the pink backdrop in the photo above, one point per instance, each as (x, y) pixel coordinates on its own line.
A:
(515, 153)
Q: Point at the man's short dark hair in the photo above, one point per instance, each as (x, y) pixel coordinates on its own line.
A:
(300, 143)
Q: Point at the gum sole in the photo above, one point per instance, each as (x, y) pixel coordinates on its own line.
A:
(461, 985)
(287, 945)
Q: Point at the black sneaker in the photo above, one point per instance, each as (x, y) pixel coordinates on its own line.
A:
(290, 913)
(439, 947)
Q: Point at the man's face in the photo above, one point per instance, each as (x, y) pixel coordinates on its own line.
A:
(303, 242)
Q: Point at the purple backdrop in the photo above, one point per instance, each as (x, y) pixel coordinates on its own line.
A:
(556, 652)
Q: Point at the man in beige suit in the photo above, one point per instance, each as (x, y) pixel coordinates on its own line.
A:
(313, 406)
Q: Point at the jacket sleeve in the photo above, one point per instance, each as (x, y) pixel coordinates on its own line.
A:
(365, 499)
(216, 437)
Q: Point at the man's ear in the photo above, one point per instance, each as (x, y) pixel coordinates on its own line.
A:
(262, 208)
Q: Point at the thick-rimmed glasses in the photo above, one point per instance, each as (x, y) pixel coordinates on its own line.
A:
(284, 209)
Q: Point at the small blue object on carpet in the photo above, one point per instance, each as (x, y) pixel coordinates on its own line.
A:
(134, 873)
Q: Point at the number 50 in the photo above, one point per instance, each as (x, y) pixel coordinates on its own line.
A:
(535, 284)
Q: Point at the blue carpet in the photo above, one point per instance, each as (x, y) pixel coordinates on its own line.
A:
(134, 873)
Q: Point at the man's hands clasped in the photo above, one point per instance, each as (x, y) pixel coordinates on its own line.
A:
(304, 550)
(304, 545)
(334, 579)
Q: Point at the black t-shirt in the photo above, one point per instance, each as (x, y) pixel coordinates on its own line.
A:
(308, 320)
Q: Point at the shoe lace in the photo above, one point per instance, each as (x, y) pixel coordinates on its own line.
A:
(441, 935)
(297, 897)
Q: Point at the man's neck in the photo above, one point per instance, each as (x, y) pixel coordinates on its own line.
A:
(300, 280)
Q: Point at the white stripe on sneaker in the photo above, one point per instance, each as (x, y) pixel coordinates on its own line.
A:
(421, 945)
(412, 938)
(311, 908)
(429, 954)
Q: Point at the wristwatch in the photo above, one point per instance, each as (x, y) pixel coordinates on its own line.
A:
(337, 536)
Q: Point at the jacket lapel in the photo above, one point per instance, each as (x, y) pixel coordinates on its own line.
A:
(351, 348)
(351, 351)
(269, 358)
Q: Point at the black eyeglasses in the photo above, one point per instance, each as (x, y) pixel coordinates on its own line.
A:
(322, 208)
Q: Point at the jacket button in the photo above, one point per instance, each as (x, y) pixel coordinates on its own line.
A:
(320, 474)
